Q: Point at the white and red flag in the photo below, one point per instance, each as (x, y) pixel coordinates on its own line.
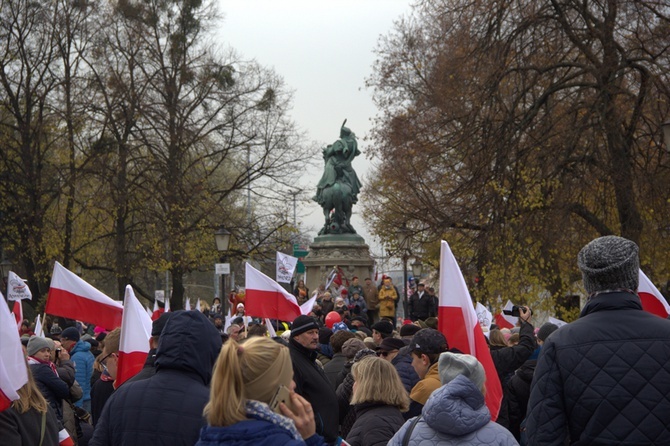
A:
(39, 330)
(72, 297)
(13, 369)
(134, 341)
(17, 288)
(458, 322)
(266, 298)
(652, 299)
(17, 309)
(505, 320)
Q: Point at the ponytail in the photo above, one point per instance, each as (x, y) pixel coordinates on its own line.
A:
(226, 404)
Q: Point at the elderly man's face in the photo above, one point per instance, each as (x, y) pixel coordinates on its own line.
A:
(308, 339)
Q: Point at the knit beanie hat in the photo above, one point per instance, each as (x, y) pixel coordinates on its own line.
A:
(363, 353)
(70, 333)
(609, 263)
(301, 324)
(409, 330)
(351, 347)
(450, 365)
(545, 330)
(324, 335)
(384, 327)
(36, 344)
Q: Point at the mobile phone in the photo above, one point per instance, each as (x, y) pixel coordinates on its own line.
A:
(282, 395)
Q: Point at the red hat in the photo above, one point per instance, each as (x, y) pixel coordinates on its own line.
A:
(344, 292)
(407, 322)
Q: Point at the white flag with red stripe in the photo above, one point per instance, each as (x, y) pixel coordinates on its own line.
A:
(458, 322)
(134, 341)
(72, 297)
(266, 298)
(505, 320)
(652, 299)
(13, 371)
(64, 438)
(17, 288)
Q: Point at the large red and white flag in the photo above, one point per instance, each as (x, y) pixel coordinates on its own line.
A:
(13, 369)
(134, 341)
(17, 288)
(505, 320)
(652, 299)
(458, 322)
(266, 298)
(72, 297)
(17, 309)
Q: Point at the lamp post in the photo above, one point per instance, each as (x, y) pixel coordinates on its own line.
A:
(222, 237)
(417, 269)
(404, 236)
(6, 266)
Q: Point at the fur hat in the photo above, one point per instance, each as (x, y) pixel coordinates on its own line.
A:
(301, 324)
(609, 263)
(36, 344)
(450, 365)
(545, 330)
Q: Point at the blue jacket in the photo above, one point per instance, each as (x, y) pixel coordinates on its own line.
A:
(83, 360)
(165, 409)
(455, 414)
(604, 378)
(52, 387)
(253, 433)
(403, 365)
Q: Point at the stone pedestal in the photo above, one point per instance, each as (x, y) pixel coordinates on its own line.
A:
(348, 251)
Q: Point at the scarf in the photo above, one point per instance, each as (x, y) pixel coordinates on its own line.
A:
(261, 411)
(52, 366)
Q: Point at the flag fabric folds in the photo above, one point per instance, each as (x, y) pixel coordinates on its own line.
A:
(266, 298)
(17, 288)
(134, 341)
(18, 313)
(652, 299)
(13, 369)
(39, 330)
(458, 322)
(72, 297)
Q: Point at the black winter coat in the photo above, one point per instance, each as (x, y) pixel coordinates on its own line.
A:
(165, 409)
(23, 429)
(515, 398)
(52, 387)
(312, 384)
(375, 424)
(422, 308)
(333, 369)
(347, 412)
(604, 379)
(403, 365)
(508, 359)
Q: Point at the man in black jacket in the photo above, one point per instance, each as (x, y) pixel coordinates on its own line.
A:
(310, 380)
(166, 408)
(421, 305)
(605, 378)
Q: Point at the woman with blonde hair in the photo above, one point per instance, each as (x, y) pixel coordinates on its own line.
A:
(378, 399)
(248, 378)
(29, 420)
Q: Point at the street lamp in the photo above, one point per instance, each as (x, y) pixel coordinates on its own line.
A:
(404, 237)
(417, 269)
(666, 134)
(222, 237)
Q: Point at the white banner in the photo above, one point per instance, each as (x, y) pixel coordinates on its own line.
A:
(17, 288)
(285, 267)
(485, 318)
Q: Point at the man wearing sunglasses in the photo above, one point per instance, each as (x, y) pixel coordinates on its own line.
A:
(389, 348)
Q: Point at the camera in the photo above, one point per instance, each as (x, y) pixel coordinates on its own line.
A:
(515, 311)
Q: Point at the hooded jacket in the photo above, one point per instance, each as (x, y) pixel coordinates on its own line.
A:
(166, 409)
(83, 360)
(455, 414)
(604, 378)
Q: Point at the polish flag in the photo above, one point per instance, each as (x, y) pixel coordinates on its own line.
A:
(271, 329)
(266, 298)
(187, 304)
(457, 320)
(64, 438)
(39, 330)
(18, 312)
(134, 341)
(72, 297)
(652, 299)
(13, 368)
(306, 308)
(157, 311)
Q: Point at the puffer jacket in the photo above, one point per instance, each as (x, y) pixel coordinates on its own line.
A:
(375, 424)
(455, 414)
(83, 360)
(403, 365)
(165, 409)
(604, 378)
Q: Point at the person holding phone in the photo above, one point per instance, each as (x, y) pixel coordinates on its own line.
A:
(252, 399)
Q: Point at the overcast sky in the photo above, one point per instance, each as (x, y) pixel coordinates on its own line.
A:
(324, 52)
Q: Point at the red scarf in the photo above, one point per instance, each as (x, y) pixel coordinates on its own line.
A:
(34, 360)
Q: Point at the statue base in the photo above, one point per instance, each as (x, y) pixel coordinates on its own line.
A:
(347, 251)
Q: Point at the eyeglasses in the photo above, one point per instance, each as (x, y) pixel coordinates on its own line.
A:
(104, 360)
(385, 354)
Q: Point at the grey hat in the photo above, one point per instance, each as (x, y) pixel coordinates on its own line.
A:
(450, 365)
(609, 263)
(545, 330)
(36, 344)
(352, 346)
(429, 341)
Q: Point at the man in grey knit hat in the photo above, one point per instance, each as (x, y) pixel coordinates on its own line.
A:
(605, 378)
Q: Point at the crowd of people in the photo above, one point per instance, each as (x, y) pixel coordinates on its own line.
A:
(361, 377)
